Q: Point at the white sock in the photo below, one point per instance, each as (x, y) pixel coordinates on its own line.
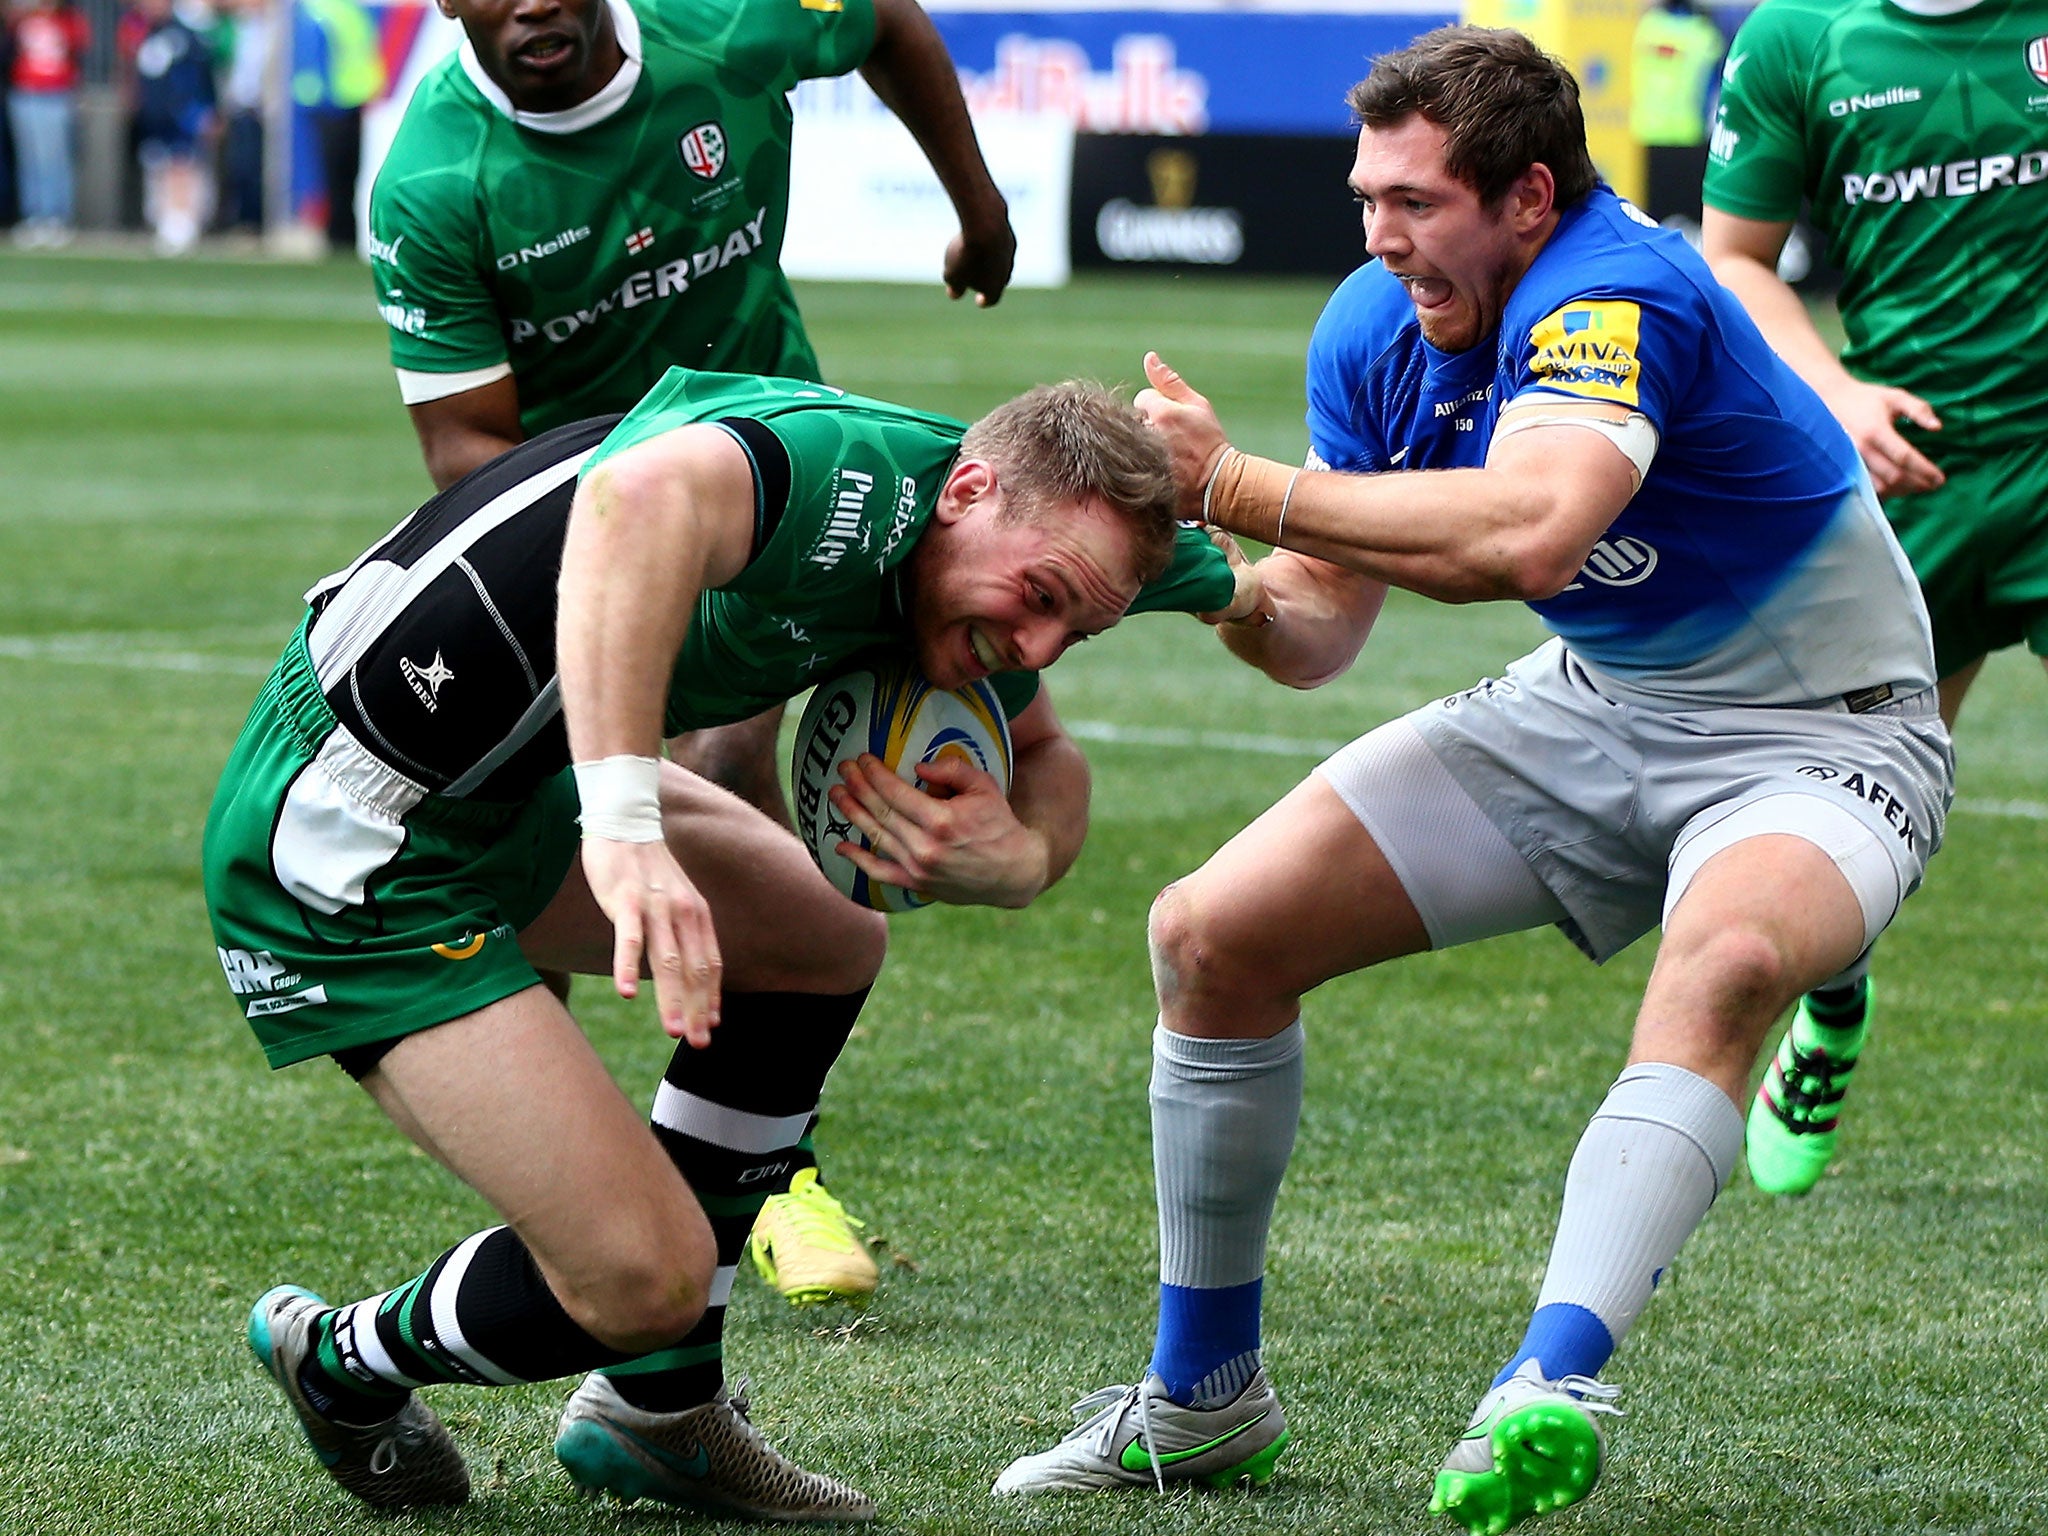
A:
(1224, 1114)
(1656, 1154)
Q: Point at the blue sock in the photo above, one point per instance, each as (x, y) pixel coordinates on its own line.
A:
(1208, 1343)
(1563, 1340)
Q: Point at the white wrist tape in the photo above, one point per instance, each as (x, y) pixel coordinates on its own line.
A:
(621, 798)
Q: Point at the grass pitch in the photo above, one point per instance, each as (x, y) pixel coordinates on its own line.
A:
(187, 447)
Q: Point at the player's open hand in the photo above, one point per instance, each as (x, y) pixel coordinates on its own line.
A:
(1250, 604)
(1869, 413)
(955, 840)
(661, 924)
(981, 260)
(1188, 423)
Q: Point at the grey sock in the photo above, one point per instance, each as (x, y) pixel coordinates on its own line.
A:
(1224, 1113)
(1656, 1154)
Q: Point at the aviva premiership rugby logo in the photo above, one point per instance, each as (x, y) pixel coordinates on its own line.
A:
(2037, 59)
(703, 150)
(1588, 349)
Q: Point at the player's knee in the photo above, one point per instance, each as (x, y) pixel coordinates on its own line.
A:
(647, 1300)
(1744, 969)
(1191, 951)
(850, 956)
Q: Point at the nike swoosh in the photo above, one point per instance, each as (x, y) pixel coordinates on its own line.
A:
(1735, 62)
(1133, 1459)
(696, 1466)
(1397, 458)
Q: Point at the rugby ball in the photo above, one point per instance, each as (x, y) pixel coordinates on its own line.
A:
(891, 710)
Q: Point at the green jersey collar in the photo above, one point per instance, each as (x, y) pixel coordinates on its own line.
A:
(583, 114)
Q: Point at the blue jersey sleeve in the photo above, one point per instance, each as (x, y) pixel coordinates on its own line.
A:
(1343, 426)
(1617, 327)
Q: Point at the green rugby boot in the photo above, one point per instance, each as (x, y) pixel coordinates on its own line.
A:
(1138, 1437)
(710, 1459)
(1794, 1117)
(1533, 1447)
(404, 1462)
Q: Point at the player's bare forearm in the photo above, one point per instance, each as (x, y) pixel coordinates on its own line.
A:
(1322, 614)
(1743, 254)
(1049, 794)
(910, 69)
(1516, 531)
(451, 456)
(1518, 528)
(1050, 785)
(459, 433)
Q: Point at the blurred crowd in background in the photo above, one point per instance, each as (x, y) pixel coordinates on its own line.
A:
(231, 119)
(155, 113)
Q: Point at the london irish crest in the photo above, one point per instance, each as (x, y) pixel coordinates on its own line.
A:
(703, 150)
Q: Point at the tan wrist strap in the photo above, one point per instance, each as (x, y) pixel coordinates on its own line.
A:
(1250, 496)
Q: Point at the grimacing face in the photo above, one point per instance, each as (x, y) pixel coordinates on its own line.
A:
(990, 592)
(1458, 258)
(546, 55)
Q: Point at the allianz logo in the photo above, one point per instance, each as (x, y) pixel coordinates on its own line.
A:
(526, 253)
(1619, 562)
(1870, 101)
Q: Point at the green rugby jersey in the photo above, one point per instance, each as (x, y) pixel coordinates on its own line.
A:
(435, 650)
(863, 478)
(594, 248)
(1922, 145)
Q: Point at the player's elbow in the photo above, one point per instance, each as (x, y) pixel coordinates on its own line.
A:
(1537, 563)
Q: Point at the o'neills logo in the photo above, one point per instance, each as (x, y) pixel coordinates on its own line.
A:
(526, 253)
(1842, 106)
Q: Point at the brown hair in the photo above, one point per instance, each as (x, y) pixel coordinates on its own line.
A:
(1066, 442)
(1503, 103)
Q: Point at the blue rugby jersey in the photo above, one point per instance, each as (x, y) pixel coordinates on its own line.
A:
(1752, 566)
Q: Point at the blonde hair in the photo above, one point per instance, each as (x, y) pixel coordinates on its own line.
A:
(1068, 442)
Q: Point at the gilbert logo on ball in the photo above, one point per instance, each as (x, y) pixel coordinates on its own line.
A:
(891, 710)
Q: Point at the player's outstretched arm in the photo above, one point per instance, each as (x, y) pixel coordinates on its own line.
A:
(968, 844)
(459, 432)
(1744, 256)
(1519, 528)
(649, 530)
(910, 69)
(1316, 616)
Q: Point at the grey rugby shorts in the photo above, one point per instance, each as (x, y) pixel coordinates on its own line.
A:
(1606, 798)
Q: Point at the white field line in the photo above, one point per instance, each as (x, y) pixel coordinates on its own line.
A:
(184, 303)
(102, 651)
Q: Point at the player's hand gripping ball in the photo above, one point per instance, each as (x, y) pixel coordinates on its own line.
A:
(892, 711)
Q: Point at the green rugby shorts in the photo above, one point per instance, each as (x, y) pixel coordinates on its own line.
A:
(349, 907)
(1979, 545)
